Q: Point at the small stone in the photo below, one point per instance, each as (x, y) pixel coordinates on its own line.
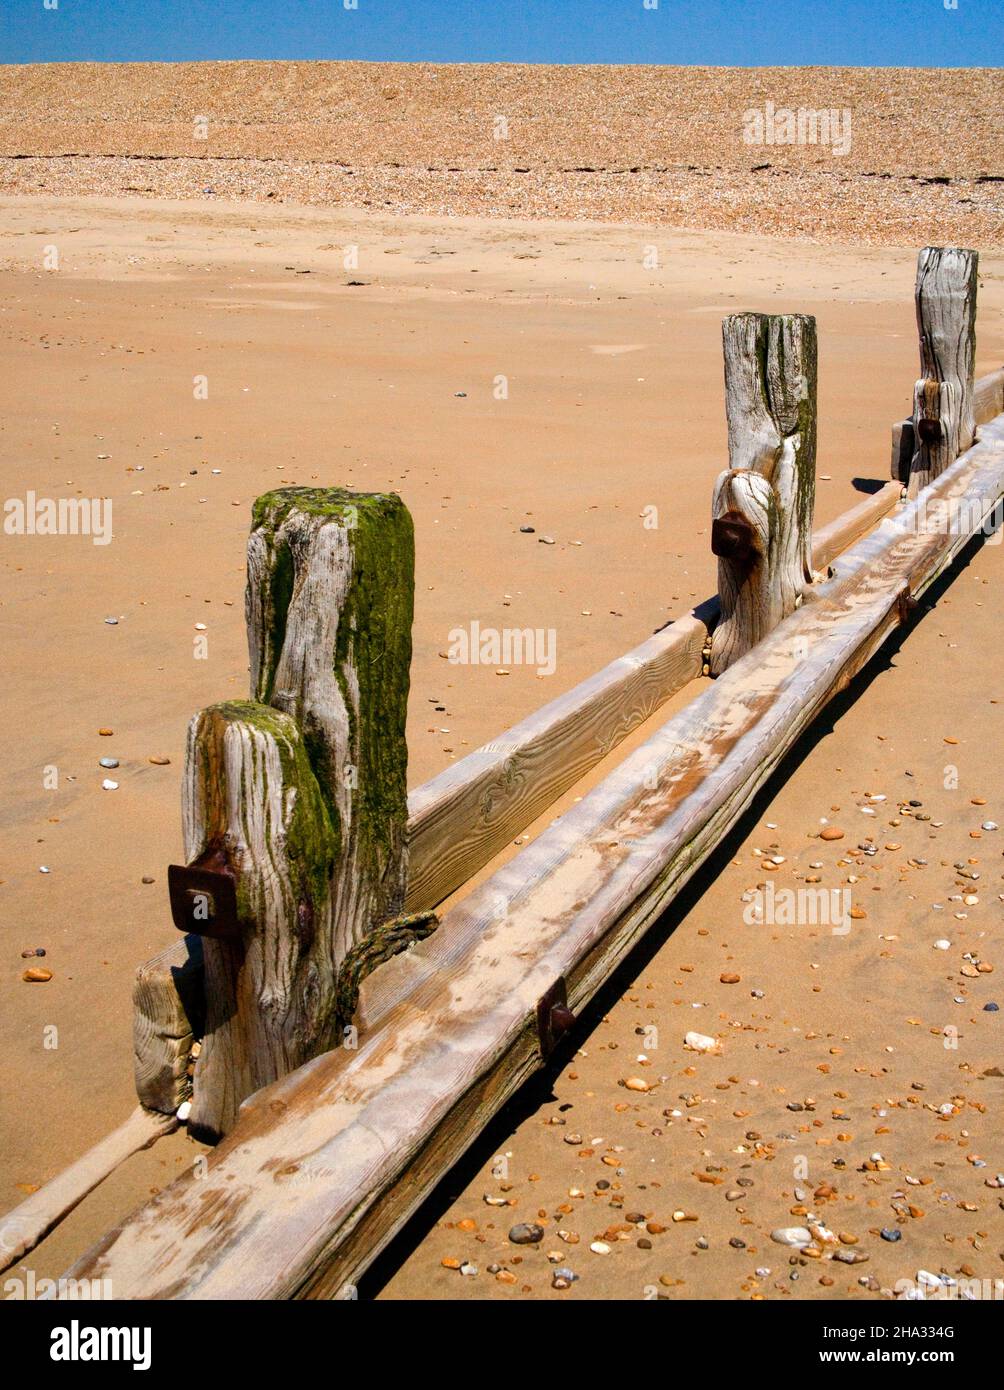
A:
(600, 1247)
(158, 760)
(635, 1083)
(526, 1234)
(33, 951)
(545, 540)
(450, 1262)
(729, 978)
(831, 832)
(184, 1110)
(849, 1257)
(700, 1042)
(469, 1270)
(106, 733)
(528, 530)
(942, 945)
(147, 878)
(505, 1276)
(108, 762)
(109, 786)
(991, 1008)
(791, 1235)
(36, 975)
(684, 1216)
(891, 1233)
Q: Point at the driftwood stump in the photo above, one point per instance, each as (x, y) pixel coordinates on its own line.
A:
(763, 503)
(944, 424)
(295, 802)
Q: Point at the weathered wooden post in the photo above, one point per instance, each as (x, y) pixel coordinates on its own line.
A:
(943, 418)
(295, 802)
(763, 503)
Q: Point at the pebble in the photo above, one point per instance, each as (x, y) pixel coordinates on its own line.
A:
(108, 762)
(600, 1247)
(528, 530)
(33, 951)
(635, 1083)
(791, 1235)
(891, 1233)
(545, 540)
(158, 760)
(109, 786)
(700, 1042)
(942, 945)
(563, 1278)
(729, 978)
(112, 622)
(831, 832)
(184, 1110)
(36, 975)
(106, 733)
(526, 1234)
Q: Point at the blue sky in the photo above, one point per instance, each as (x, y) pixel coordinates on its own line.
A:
(917, 33)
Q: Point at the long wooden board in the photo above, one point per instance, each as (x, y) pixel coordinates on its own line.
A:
(325, 1166)
(22, 1228)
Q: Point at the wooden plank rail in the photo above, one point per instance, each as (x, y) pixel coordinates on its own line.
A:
(325, 1165)
(22, 1228)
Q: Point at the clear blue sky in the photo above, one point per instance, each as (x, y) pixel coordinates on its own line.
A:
(916, 33)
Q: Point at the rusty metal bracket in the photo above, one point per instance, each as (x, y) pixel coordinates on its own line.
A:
(204, 897)
(906, 604)
(554, 1017)
(733, 538)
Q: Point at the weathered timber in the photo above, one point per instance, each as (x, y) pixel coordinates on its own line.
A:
(326, 1165)
(988, 401)
(169, 1006)
(988, 396)
(944, 423)
(26, 1224)
(463, 817)
(250, 796)
(299, 795)
(763, 503)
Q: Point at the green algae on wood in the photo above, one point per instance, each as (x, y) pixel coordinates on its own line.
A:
(304, 786)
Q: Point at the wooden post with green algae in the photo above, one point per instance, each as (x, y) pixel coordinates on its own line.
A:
(303, 788)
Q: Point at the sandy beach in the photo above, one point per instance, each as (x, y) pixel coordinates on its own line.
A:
(354, 332)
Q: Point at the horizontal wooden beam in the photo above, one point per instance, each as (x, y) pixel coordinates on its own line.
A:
(325, 1166)
(22, 1228)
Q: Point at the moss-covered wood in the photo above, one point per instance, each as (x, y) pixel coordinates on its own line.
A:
(763, 504)
(303, 789)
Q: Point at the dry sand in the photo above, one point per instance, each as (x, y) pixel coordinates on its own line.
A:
(663, 145)
(614, 403)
